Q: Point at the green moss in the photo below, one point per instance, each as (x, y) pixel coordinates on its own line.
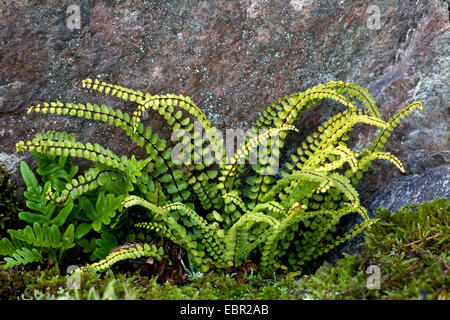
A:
(410, 248)
(7, 200)
(409, 269)
(220, 287)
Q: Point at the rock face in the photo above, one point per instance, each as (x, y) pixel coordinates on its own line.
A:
(416, 188)
(233, 58)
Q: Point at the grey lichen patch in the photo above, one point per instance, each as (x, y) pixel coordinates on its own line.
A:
(9, 161)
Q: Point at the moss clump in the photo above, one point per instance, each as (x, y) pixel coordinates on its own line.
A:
(410, 248)
(49, 286)
(7, 200)
(92, 286)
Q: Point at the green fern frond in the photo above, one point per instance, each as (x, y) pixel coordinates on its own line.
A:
(335, 180)
(391, 124)
(206, 189)
(22, 256)
(296, 214)
(155, 146)
(134, 251)
(294, 218)
(354, 90)
(379, 142)
(231, 197)
(165, 106)
(230, 171)
(44, 236)
(38, 236)
(158, 227)
(214, 246)
(363, 163)
(113, 89)
(325, 246)
(209, 236)
(237, 235)
(45, 144)
(291, 107)
(90, 180)
(7, 248)
(275, 209)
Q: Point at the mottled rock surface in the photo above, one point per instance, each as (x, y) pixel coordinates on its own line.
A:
(415, 188)
(233, 58)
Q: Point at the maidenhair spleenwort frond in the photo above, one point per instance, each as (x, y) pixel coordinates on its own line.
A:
(345, 156)
(316, 151)
(54, 144)
(379, 142)
(134, 251)
(206, 190)
(234, 198)
(165, 106)
(291, 107)
(157, 227)
(384, 134)
(51, 143)
(113, 89)
(274, 208)
(292, 219)
(316, 249)
(213, 245)
(257, 140)
(90, 180)
(144, 137)
(238, 234)
(340, 127)
(230, 170)
(60, 144)
(333, 219)
(315, 240)
(210, 237)
(354, 90)
(380, 155)
(328, 136)
(392, 123)
(335, 180)
(296, 215)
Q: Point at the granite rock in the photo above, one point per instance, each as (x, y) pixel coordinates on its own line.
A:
(415, 188)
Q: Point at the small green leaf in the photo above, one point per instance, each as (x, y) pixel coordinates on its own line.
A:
(82, 230)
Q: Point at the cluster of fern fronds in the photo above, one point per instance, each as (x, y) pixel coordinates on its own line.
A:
(221, 210)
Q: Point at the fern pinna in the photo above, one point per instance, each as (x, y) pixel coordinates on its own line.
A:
(221, 210)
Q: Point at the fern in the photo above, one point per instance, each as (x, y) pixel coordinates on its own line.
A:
(24, 246)
(220, 218)
(22, 256)
(134, 251)
(44, 236)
